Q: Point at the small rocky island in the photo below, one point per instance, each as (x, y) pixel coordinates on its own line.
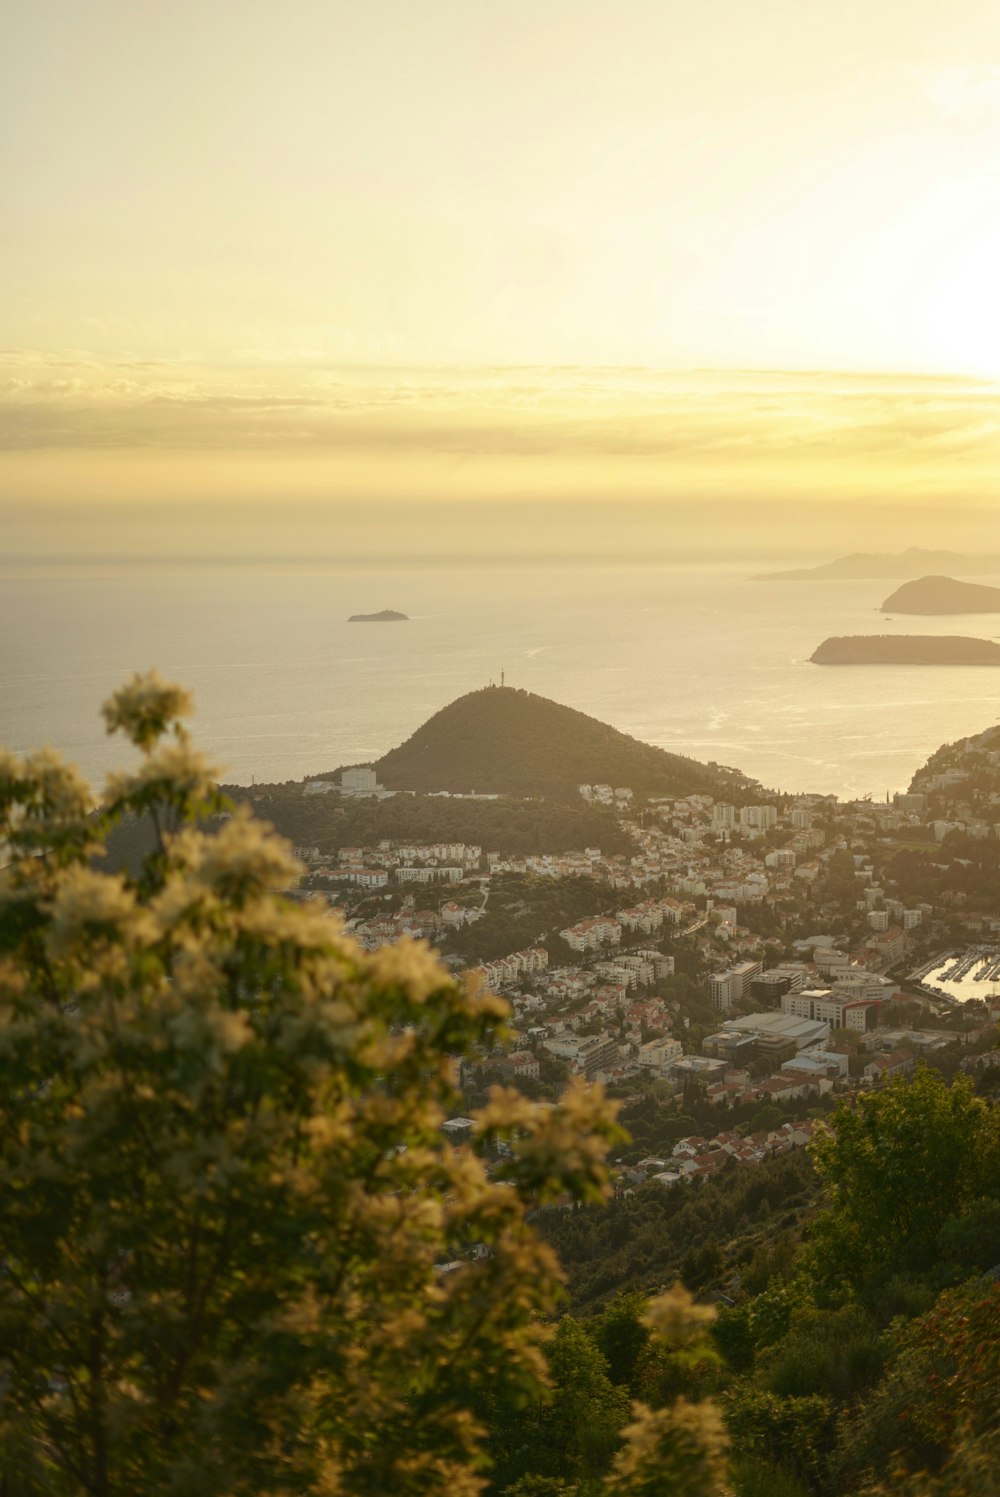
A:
(387, 616)
(906, 649)
(943, 595)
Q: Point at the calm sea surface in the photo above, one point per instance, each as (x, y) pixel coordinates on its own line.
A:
(705, 663)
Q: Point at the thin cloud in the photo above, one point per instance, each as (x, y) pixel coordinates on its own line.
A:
(525, 413)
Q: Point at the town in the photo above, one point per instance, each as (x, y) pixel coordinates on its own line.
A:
(754, 962)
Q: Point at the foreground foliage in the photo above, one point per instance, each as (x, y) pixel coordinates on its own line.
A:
(898, 1166)
(238, 1255)
(860, 1350)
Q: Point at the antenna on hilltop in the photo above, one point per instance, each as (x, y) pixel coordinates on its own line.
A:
(501, 678)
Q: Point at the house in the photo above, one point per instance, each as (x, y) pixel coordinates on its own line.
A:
(520, 1063)
(884, 1067)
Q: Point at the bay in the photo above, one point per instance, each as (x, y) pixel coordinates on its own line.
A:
(700, 660)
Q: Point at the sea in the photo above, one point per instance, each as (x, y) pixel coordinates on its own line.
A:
(701, 660)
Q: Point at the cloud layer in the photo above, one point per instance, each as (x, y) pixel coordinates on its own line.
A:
(77, 404)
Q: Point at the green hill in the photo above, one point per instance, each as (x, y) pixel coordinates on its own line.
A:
(507, 741)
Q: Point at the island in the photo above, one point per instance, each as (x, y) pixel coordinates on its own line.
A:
(913, 562)
(387, 616)
(943, 595)
(906, 649)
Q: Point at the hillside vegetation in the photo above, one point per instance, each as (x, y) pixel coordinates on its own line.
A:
(509, 741)
(525, 910)
(505, 825)
(968, 755)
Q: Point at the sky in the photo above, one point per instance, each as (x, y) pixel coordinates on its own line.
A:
(322, 259)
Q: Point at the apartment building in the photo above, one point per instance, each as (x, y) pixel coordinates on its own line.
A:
(824, 1005)
(726, 989)
(759, 818)
(589, 935)
(587, 1054)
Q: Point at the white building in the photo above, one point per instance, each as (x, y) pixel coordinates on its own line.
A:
(858, 982)
(428, 875)
(366, 878)
(761, 818)
(587, 1054)
(841, 1010)
(589, 935)
(658, 1055)
(360, 781)
(728, 988)
(645, 917)
(804, 1033)
(820, 1060)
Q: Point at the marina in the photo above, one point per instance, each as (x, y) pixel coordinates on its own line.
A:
(969, 975)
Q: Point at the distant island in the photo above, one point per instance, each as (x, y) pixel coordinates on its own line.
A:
(387, 616)
(943, 595)
(906, 649)
(913, 562)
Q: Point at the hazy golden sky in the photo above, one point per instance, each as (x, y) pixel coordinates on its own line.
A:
(473, 249)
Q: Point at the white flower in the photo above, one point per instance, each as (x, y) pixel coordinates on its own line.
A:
(176, 770)
(44, 782)
(85, 900)
(410, 965)
(145, 707)
(247, 853)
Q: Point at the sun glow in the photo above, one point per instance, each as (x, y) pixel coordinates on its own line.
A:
(963, 314)
(448, 251)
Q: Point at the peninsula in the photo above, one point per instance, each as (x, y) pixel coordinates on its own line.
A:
(930, 595)
(913, 562)
(503, 740)
(387, 616)
(906, 649)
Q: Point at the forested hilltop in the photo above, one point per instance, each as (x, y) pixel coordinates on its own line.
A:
(501, 739)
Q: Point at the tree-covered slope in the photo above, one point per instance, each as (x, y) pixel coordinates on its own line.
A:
(504, 740)
(968, 758)
(507, 825)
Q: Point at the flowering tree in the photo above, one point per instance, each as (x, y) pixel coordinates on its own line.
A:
(236, 1246)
